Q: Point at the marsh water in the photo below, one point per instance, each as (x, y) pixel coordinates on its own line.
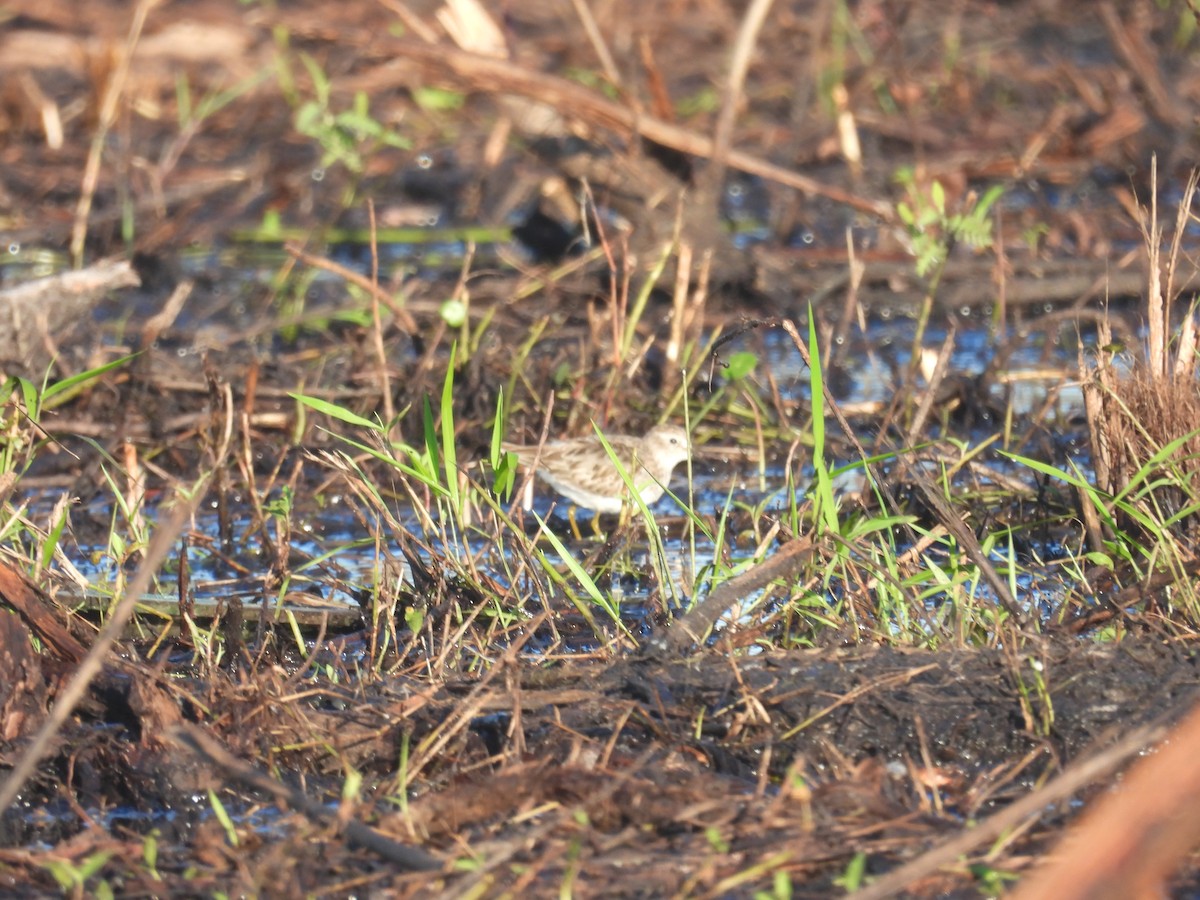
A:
(1007, 376)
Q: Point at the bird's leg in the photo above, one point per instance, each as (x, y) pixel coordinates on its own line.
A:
(626, 513)
(574, 525)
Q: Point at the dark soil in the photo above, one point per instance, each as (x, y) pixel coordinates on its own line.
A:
(711, 764)
(487, 768)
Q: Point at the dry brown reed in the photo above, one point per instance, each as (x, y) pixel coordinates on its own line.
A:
(1136, 414)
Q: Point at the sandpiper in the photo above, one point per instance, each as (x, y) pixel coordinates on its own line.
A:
(581, 470)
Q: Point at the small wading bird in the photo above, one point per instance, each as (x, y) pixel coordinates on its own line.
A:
(582, 471)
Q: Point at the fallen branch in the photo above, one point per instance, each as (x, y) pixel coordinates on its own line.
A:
(497, 76)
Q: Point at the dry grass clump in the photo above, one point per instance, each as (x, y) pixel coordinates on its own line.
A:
(1145, 420)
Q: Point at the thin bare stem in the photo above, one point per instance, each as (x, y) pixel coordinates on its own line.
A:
(108, 115)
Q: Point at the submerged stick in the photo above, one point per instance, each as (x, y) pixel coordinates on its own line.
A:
(699, 621)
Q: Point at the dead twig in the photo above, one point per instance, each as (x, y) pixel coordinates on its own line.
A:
(403, 316)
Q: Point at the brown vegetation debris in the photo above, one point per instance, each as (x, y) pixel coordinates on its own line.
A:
(1143, 421)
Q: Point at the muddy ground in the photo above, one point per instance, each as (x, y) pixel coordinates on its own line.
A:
(491, 763)
(631, 779)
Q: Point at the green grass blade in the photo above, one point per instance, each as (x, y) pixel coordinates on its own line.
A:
(589, 584)
(336, 412)
(449, 453)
